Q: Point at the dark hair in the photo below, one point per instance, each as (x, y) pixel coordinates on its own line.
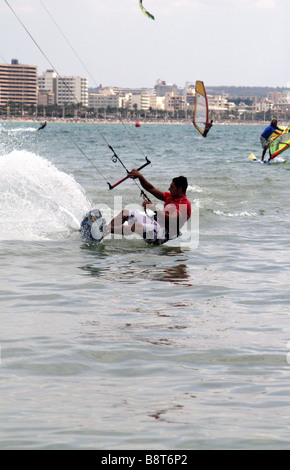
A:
(181, 182)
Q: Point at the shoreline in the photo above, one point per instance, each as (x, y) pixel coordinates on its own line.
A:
(130, 122)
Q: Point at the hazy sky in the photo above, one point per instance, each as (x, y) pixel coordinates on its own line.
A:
(222, 42)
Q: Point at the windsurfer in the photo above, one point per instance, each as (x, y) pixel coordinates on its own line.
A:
(265, 136)
(208, 126)
(166, 222)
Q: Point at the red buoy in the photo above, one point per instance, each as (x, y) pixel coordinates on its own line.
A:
(137, 124)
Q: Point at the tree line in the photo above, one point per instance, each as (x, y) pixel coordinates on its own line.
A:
(77, 111)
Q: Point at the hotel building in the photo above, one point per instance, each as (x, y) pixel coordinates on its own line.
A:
(18, 84)
(63, 90)
(72, 90)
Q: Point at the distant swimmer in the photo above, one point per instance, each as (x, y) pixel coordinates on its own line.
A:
(166, 223)
(265, 136)
(42, 126)
(208, 126)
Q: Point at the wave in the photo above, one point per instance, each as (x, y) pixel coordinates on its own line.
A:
(17, 130)
(235, 214)
(37, 200)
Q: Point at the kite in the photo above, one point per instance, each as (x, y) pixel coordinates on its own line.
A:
(145, 11)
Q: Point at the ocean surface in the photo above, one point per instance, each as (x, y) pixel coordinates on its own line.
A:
(122, 345)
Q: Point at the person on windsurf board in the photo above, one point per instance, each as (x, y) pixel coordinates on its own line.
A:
(266, 134)
(208, 126)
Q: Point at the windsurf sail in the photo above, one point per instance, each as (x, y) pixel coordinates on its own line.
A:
(281, 143)
(200, 114)
(145, 11)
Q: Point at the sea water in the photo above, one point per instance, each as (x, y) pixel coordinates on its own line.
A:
(122, 345)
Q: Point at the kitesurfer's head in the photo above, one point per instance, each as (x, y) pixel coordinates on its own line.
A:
(178, 184)
(274, 122)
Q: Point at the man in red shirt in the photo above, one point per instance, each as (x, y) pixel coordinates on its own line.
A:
(166, 223)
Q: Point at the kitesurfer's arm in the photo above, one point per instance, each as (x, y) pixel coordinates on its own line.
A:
(146, 184)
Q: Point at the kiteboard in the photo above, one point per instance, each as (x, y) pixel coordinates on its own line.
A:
(93, 226)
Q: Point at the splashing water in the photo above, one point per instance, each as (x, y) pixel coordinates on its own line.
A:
(37, 201)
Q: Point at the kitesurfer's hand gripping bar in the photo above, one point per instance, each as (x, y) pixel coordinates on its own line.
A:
(126, 177)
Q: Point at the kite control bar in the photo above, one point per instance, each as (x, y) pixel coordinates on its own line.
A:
(126, 177)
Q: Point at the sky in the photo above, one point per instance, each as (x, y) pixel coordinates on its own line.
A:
(222, 42)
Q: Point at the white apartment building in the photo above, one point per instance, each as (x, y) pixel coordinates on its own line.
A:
(47, 81)
(219, 103)
(174, 102)
(139, 101)
(72, 90)
(144, 101)
(47, 88)
(65, 89)
(264, 105)
(99, 100)
(190, 97)
(157, 102)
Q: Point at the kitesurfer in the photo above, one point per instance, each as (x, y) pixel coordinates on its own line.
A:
(266, 134)
(166, 223)
(42, 126)
(208, 126)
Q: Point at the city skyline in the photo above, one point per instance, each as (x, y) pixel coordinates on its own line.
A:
(151, 86)
(19, 85)
(224, 44)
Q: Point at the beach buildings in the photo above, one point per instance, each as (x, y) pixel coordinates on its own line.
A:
(18, 84)
(62, 90)
(21, 86)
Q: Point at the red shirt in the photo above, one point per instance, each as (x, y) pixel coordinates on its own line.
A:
(181, 204)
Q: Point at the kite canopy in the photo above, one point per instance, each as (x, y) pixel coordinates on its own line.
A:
(145, 11)
(200, 114)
